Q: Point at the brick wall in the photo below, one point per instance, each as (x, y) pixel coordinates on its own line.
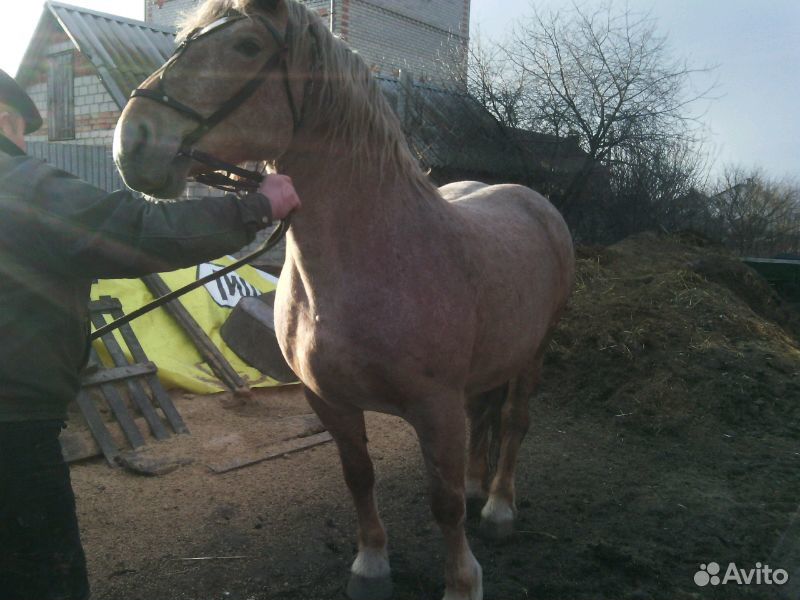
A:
(96, 113)
(169, 13)
(444, 14)
(390, 40)
(412, 35)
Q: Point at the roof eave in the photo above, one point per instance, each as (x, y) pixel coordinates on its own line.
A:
(35, 46)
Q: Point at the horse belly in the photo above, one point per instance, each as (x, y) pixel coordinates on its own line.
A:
(377, 355)
(508, 343)
(525, 269)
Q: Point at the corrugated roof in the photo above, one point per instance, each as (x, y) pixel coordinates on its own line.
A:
(124, 51)
(449, 129)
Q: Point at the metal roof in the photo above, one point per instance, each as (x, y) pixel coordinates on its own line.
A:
(448, 128)
(124, 51)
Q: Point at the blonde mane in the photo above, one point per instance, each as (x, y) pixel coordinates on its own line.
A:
(345, 91)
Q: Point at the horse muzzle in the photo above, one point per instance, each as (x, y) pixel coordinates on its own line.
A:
(149, 163)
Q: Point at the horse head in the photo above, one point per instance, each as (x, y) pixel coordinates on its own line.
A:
(232, 74)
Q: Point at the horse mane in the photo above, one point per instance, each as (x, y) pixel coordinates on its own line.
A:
(345, 89)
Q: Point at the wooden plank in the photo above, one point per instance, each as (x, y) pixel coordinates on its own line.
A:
(105, 304)
(80, 444)
(135, 390)
(98, 427)
(210, 353)
(117, 405)
(157, 390)
(118, 374)
(274, 451)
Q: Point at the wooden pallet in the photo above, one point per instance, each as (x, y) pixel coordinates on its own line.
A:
(140, 380)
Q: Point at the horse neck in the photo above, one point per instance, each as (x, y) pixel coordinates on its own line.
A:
(351, 205)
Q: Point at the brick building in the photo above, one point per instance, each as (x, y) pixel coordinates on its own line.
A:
(426, 38)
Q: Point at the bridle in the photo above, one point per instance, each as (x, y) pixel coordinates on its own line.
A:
(233, 178)
(248, 181)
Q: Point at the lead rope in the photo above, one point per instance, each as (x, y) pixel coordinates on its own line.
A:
(273, 241)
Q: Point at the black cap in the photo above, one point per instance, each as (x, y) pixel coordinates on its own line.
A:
(12, 94)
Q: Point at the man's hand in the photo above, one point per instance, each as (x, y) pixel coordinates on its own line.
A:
(282, 197)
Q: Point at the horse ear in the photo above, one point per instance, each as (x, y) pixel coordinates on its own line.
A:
(269, 5)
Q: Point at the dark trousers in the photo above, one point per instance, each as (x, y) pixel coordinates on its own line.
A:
(41, 557)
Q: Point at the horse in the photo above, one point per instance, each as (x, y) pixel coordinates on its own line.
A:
(430, 304)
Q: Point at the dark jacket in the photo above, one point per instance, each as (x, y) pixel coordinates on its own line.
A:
(57, 234)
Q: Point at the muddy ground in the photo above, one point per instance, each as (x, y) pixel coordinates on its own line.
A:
(665, 437)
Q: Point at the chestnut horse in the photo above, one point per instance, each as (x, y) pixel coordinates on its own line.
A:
(397, 297)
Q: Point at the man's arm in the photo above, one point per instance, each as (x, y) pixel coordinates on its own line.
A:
(90, 233)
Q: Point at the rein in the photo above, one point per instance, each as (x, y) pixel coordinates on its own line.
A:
(225, 176)
(273, 240)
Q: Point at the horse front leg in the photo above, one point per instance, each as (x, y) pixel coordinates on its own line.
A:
(442, 435)
(370, 577)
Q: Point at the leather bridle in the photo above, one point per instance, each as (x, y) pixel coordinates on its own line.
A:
(234, 178)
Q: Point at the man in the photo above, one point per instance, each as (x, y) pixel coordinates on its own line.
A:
(57, 234)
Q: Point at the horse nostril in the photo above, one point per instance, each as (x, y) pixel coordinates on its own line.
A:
(135, 138)
(144, 136)
(139, 140)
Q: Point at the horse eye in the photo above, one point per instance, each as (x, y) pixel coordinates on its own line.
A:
(248, 47)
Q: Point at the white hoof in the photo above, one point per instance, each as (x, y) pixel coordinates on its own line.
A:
(361, 588)
(497, 519)
(372, 564)
(371, 576)
(471, 578)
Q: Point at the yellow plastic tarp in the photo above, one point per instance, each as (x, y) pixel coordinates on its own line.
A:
(165, 343)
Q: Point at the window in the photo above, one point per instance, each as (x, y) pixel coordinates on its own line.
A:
(61, 97)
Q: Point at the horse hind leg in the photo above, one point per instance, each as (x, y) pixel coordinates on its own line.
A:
(370, 575)
(500, 510)
(484, 416)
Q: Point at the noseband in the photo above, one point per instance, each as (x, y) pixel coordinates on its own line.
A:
(234, 178)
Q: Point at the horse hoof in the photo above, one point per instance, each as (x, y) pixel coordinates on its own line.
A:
(496, 530)
(369, 588)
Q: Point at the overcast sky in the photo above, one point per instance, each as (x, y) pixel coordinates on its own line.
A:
(756, 44)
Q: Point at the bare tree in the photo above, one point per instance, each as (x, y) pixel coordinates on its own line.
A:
(757, 215)
(492, 80)
(658, 188)
(608, 77)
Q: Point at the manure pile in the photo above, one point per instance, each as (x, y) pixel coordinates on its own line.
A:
(667, 331)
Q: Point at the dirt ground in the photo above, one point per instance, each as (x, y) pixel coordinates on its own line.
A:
(665, 437)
